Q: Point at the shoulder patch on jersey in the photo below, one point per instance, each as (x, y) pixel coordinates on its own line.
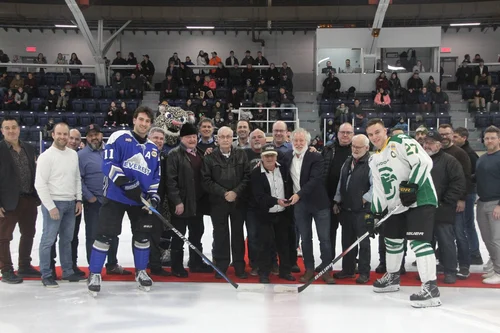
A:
(397, 138)
(137, 163)
(118, 134)
(128, 139)
(154, 153)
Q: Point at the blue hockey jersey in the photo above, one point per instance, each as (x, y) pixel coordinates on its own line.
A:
(125, 156)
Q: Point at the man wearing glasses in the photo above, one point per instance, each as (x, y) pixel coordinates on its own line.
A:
(280, 137)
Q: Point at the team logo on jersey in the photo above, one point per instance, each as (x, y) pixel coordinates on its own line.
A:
(154, 153)
(388, 178)
(128, 140)
(137, 163)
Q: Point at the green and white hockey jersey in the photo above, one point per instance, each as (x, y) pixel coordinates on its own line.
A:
(401, 159)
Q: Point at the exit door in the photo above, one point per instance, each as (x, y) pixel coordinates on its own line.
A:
(450, 66)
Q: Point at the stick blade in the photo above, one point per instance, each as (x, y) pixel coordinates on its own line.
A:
(281, 289)
(251, 287)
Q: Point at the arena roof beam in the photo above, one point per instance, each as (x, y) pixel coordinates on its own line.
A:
(378, 21)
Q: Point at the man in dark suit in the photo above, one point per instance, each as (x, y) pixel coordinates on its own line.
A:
(482, 74)
(18, 201)
(270, 188)
(310, 200)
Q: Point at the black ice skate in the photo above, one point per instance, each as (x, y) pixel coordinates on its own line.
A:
(427, 297)
(144, 282)
(94, 284)
(388, 283)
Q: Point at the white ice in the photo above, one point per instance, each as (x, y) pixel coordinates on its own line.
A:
(217, 307)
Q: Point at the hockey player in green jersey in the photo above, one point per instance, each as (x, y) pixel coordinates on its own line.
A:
(401, 172)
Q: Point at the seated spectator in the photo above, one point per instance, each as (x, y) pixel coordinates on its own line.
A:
(69, 89)
(21, 99)
(17, 82)
(477, 59)
(48, 128)
(382, 82)
(360, 120)
(189, 106)
(172, 70)
(492, 99)
(326, 70)
(274, 113)
(209, 83)
(418, 67)
(248, 74)
(124, 117)
(175, 59)
(195, 87)
(464, 75)
(331, 86)
(260, 97)
(9, 100)
(214, 61)
(272, 76)
(425, 100)
(285, 97)
(482, 74)
(415, 82)
(262, 83)
(40, 60)
(395, 86)
(231, 60)
(231, 121)
(285, 70)
(402, 124)
(4, 84)
(218, 107)
(204, 111)
(133, 86)
(248, 59)
(111, 116)
(440, 98)
(382, 100)
(51, 101)
(235, 76)
(119, 85)
(30, 86)
(83, 88)
(259, 114)
(168, 88)
(221, 75)
(249, 90)
(74, 61)
(478, 100)
(219, 120)
(234, 99)
(185, 75)
(342, 114)
(356, 108)
(62, 101)
(431, 85)
(410, 99)
(287, 83)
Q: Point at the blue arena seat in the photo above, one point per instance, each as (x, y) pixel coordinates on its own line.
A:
(90, 105)
(77, 105)
(71, 118)
(34, 132)
(37, 104)
(482, 120)
(429, 119)
(28, 118)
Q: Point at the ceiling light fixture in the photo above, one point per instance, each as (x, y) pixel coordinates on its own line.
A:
(200, 27)
(464, 24)
(66, 26)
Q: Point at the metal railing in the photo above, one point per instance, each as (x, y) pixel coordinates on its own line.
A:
(268, 121)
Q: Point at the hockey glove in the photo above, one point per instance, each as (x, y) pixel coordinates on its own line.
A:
(155, 200)
(133, 191)
(370, 224)
(408, 193)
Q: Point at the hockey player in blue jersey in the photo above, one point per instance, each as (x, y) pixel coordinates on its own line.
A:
(132, 170)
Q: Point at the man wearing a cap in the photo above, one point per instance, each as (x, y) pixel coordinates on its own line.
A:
(270, 188)
(449, 182)
(185, 198)
(420, 134)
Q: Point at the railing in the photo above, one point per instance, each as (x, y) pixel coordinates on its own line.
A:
(267, 121)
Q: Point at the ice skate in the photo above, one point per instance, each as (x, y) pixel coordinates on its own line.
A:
(144, 282)
(427, 297)
(94, 284)
(387, 283)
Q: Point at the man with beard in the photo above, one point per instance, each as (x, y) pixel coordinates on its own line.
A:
(58, 166)
(449, 181)
(90, 160)
(464, 258)
(420, 134)
(243, 131)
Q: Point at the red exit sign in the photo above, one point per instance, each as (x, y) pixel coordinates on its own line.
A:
(446, 50)
(31, 49)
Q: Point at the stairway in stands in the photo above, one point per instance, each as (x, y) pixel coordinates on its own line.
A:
(308, 111)
(460, 117)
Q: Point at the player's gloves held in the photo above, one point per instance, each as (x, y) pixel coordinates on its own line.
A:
(408, 193)
(155, 200)
(370, 224)
(133, 191)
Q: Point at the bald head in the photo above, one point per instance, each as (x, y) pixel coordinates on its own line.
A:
(279, 132)
(75, 138)
(345, 134)
(257, 140)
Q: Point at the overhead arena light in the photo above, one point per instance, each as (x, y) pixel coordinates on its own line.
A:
(66, 26)
(200, 27)
(464, 24)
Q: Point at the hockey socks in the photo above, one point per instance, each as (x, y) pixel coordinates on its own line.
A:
(426, 260)
(141, 255)
(395, 249)
(98, 256)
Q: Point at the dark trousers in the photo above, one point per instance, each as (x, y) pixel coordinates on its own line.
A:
(334, 225)
(196, 230)
(25, 214)
(353, 227)
(293, 242)
(252, 225)
(274, 229)
(445, 236)
(222, 248)
(155, 249)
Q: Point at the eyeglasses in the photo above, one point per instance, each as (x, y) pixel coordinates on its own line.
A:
(279, 131)
(345, 133)
(225, 137)
(355, 147)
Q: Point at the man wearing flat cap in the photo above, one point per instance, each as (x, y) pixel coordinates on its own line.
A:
(185, 196)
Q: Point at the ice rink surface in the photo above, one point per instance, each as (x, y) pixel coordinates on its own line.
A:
(218, 307)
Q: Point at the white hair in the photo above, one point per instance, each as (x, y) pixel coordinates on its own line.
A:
(225, 128)
(254, 132)
(366, 141)
(156, 130)
(301, 131)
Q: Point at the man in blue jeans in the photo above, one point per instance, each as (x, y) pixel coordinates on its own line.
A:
(59, 187)
(90, 161)
(310, 200)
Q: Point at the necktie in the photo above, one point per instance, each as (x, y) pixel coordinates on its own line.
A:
(191, 151)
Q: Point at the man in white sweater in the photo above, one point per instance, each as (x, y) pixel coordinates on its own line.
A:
(59, 187)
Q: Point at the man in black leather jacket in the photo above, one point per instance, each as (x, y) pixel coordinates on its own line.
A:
(225, 176)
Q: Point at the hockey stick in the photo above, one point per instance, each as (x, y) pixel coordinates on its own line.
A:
(195, 249)
(287, 289)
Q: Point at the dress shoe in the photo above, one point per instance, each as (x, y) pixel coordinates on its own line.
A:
(362, 279)
(307, 276)
(117, 270)
(295, 269)
(328, 278)
(242, 275)
(159, 271)
(28, 272)
(343, 275)
(180, 272)
(287, 276)
(264, 279)
(203, 268)
(78, 271)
